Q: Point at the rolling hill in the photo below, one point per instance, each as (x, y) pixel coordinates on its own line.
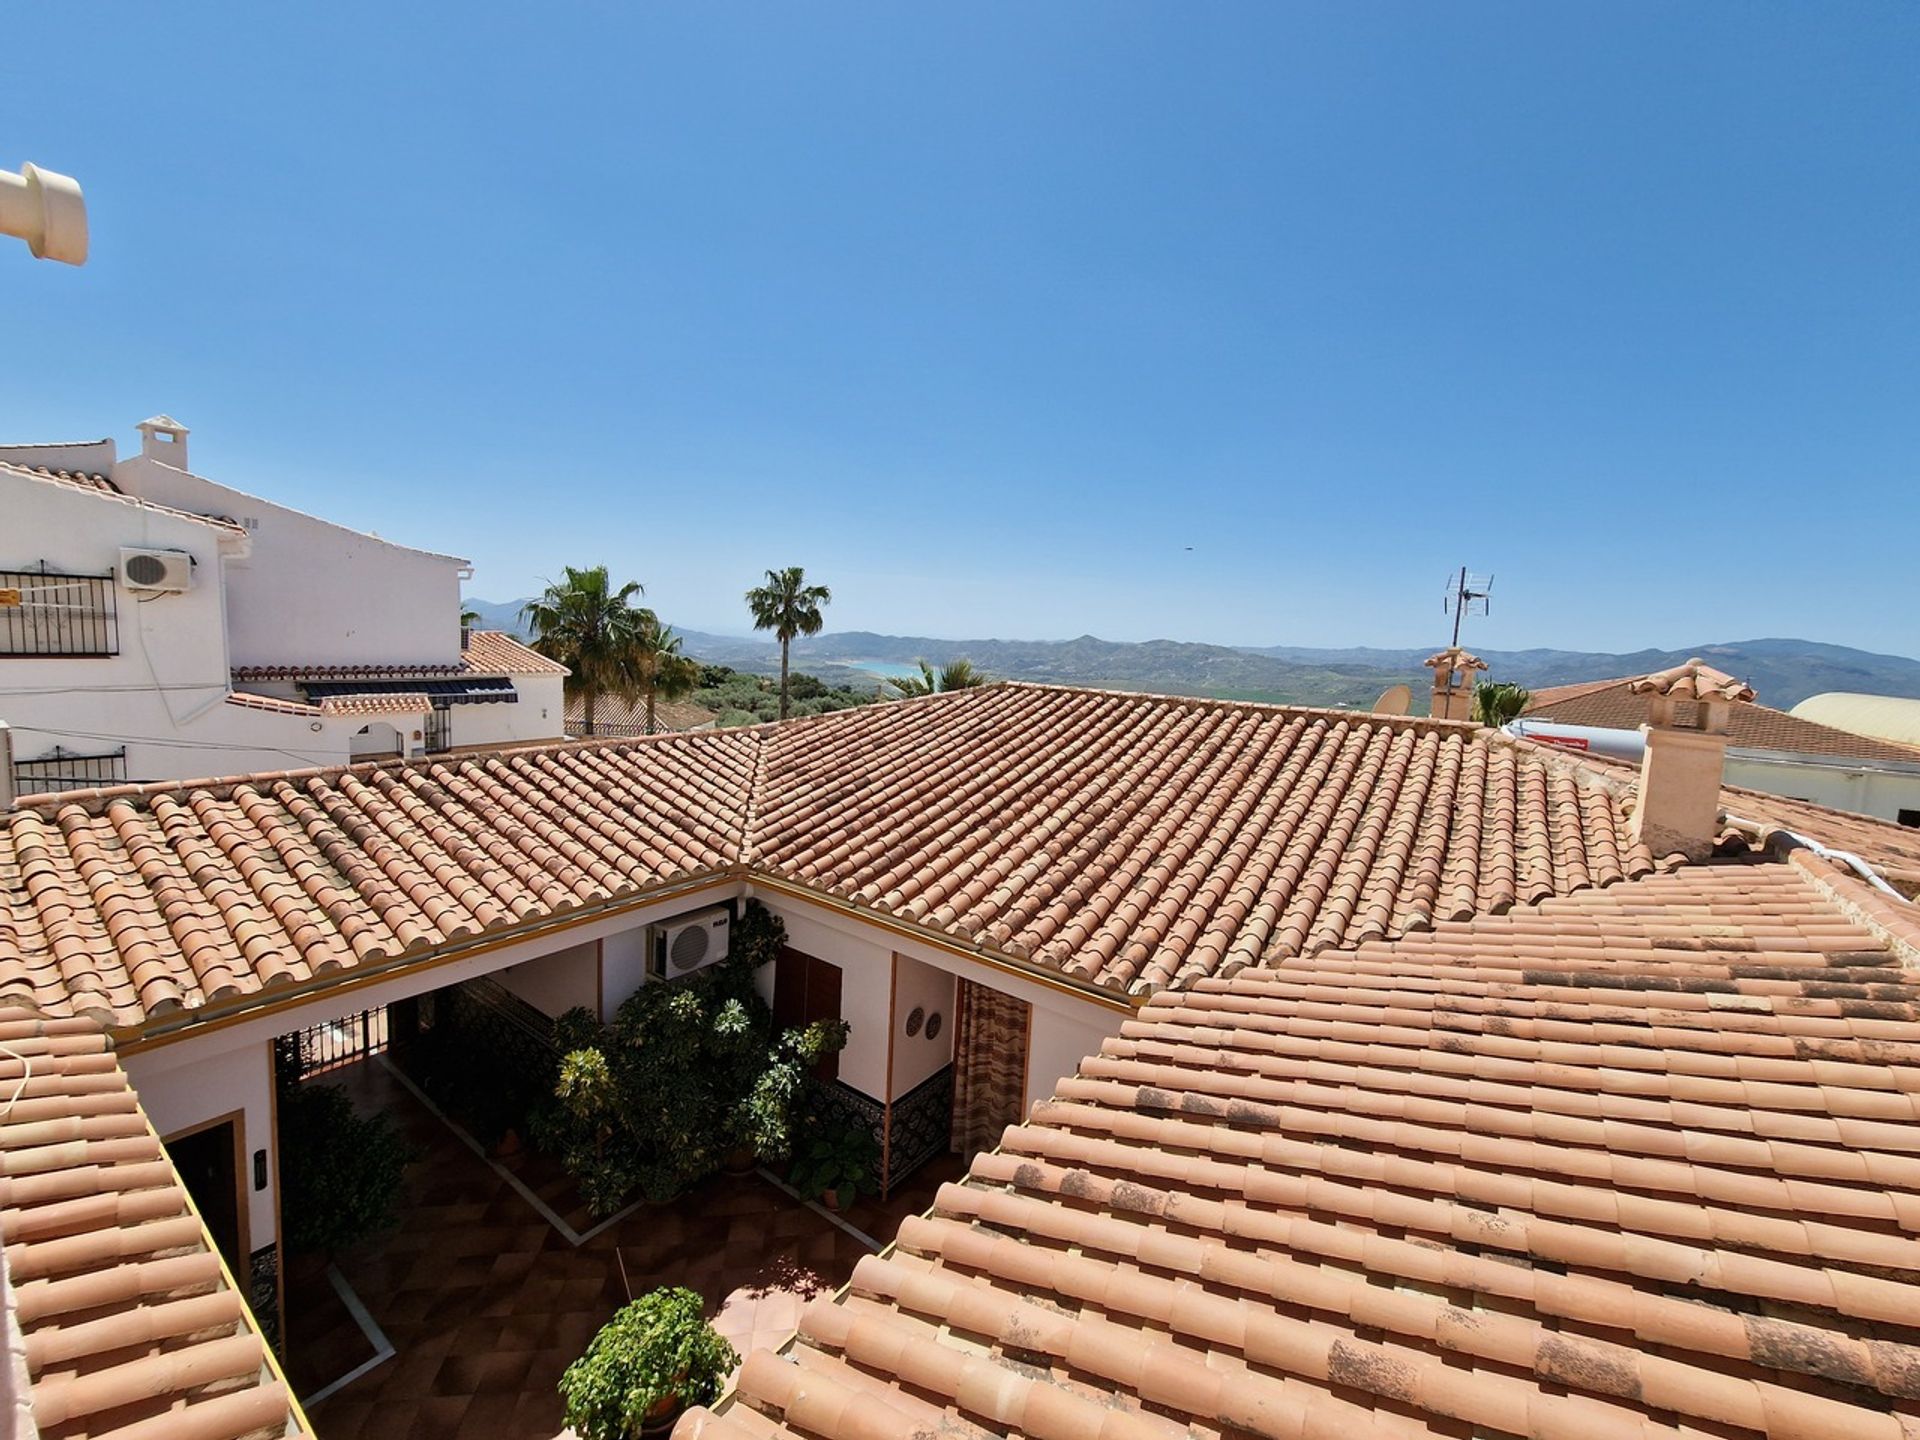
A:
(1783, 671)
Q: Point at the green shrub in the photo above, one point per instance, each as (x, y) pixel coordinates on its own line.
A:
(340, 1171)
(656, 1355)
(689, 1070)
(843, 1157)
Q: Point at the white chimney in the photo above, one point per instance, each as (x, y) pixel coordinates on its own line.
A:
(164, 438)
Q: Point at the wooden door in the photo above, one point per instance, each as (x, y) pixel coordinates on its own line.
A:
(806, 989)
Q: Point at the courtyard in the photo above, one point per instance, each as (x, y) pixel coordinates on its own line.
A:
(459, 1320)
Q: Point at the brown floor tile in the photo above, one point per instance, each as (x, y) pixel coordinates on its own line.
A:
(486, 1305)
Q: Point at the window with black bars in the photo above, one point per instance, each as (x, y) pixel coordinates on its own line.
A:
(49, 612)
(62, 769)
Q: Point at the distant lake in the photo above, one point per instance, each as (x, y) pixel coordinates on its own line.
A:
(885, 669)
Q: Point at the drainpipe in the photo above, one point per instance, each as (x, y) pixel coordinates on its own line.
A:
(6, 768)
(46, 210)
(1846, 857)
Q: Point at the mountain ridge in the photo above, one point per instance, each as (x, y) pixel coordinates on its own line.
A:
(1783, 670)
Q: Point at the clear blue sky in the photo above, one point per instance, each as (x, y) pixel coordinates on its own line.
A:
(985, 315)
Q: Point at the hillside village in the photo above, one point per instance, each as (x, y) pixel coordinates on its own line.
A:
(427, 1017)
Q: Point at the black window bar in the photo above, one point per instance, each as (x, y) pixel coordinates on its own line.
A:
(51, 612)
(62, 769)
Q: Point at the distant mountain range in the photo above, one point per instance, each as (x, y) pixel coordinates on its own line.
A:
(1783, 671)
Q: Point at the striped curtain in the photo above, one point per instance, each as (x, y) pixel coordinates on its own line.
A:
(989, 1066)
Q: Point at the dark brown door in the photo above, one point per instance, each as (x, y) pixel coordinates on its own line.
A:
(806, 990)
(209, 1163)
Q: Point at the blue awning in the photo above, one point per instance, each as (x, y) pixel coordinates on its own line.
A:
(468, 690)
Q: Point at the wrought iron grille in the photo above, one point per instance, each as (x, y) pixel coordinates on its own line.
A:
(439, 731)
(47, 612)
(62, 769)
(330, 1044)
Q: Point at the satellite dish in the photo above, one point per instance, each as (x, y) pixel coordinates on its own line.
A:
(1394, 700)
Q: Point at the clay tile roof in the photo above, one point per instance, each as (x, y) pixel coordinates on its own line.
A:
(1635, 1162)
(1693, 680)
(1454, 658)
(488, 652)
(1613, 705)
(103, 486)
(272, 703)
(410, 703)
(129, 1322)
(1128, 843)
(494, 652)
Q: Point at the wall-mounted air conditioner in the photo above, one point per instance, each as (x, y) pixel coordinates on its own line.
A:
(156, 569)
(688, 943)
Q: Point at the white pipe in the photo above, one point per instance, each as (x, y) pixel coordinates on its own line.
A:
(1590, 739)
(47, 211)
(1846, 857)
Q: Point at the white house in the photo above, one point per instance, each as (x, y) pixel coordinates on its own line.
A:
(157, 625)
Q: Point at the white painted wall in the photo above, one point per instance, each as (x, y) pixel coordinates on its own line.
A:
(1879, 790)
(163, 695)
(539, 714)
(1060, 1039)
(180, 1091)
(554, 984)
(915, 1057)
(623, 968)
(313, 592)
(866, 971)
(1065, 1028)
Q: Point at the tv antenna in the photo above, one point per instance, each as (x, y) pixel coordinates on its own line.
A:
(1465, 595)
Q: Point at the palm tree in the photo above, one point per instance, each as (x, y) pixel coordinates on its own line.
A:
(659, 666)
(954, 675)
(788, 606)
(592, 629)
(1497, 704)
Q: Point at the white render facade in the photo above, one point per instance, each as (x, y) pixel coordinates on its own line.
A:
(291, 642)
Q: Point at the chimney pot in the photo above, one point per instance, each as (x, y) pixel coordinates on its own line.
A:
(1689, 711)
(1453, 682)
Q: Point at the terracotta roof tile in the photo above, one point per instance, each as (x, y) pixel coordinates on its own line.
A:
(131, 1325)
(102, 486)
(1638, 1161)
(411, 703)
(1692, 680)
(274, 704)
(1128, 842)
(488, 652)
(1612, 705)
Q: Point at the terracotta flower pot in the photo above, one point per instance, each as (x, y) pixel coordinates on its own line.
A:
(659, 1420)
(740, 1160)
(509, 1145)
(830, 1199)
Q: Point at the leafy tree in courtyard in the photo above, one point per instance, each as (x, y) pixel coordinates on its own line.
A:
(340, 1171)
(788, 606)
(1497, 704)
(595, 631)
(954, 675)
(661, 669)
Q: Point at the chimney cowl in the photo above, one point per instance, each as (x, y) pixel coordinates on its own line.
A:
(164, 438)
(1453, 671)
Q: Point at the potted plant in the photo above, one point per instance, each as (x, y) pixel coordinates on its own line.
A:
(656, 1356)
(837, 1165)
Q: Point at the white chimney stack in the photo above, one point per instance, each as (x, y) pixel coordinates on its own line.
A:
(164, 438)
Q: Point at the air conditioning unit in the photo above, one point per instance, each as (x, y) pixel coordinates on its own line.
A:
(156, 569)
(688, 943)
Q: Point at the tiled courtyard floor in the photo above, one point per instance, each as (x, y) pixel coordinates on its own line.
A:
(485, 1303)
